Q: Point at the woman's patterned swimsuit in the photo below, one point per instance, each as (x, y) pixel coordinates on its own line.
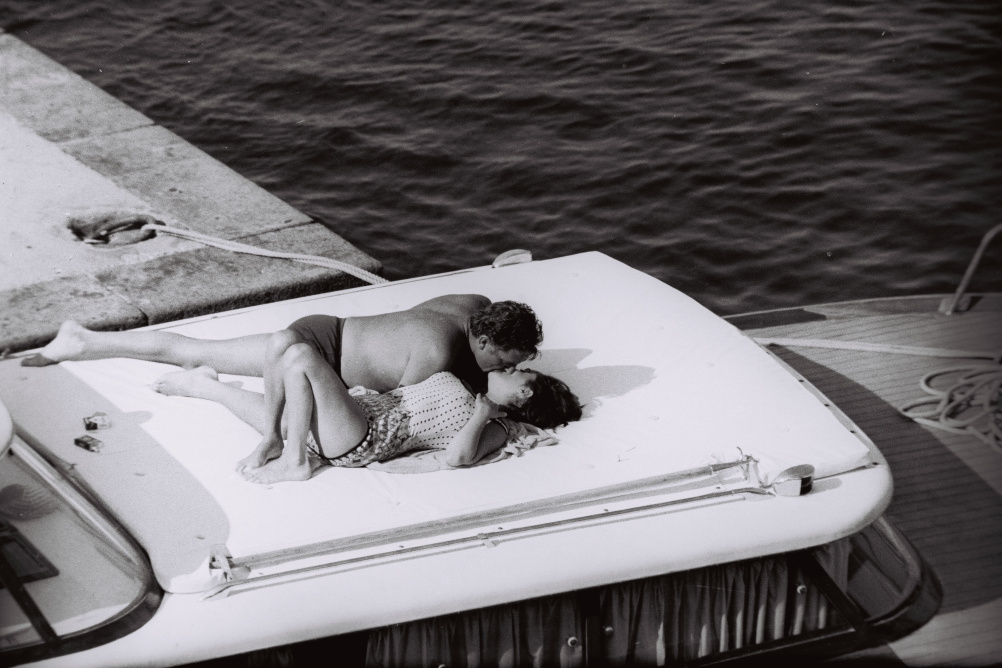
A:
(423, 416)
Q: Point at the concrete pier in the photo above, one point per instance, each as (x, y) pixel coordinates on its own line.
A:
(68, 149)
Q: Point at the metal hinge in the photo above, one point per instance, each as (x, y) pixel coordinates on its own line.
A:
(222, 568)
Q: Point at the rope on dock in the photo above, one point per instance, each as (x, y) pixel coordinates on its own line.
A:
(238, 247)
(97, 229)
(971, 404)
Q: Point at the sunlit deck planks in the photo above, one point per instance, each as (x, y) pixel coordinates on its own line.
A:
(948, 487)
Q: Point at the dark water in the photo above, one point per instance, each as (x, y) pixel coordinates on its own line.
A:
(753, 154)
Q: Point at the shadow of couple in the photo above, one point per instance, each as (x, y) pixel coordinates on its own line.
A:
(591, 384)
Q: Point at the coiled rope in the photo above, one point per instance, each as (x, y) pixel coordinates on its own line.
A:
(971, 404)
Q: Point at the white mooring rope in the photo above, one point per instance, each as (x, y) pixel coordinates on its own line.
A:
(238, 247)
(971, 404)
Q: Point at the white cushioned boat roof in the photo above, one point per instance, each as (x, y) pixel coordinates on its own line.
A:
(668, 386)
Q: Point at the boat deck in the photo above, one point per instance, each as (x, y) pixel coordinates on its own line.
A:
(948, 486)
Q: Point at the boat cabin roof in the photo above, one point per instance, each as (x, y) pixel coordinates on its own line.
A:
(669, 389)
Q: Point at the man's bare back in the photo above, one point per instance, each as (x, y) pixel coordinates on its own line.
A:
(388, 350)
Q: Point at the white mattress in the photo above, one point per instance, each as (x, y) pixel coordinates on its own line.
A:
(667, 385)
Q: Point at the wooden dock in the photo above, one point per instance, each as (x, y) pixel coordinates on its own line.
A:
(68, 149)
(948, 486)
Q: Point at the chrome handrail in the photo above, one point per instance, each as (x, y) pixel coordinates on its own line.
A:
(951, 304)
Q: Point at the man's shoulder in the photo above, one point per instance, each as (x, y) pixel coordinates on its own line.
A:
(465, 304)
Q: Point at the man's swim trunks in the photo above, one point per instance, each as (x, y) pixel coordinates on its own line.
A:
(387, 436)
(323, 334)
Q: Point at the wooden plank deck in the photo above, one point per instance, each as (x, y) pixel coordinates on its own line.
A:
(948, 487)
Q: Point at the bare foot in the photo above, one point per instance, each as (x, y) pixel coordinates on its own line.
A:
(188, 383)
(268, 449)
(279, 470)
(69, 344)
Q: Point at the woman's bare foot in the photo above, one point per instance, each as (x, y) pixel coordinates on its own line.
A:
(70, 344)
(283, 469)
(268, 449)
(195, 382)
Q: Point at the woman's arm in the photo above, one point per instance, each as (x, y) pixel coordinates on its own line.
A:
(477, 438)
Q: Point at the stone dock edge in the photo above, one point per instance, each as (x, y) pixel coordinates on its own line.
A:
(172, 180)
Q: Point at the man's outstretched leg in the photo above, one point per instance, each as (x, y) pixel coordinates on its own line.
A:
(243, 356)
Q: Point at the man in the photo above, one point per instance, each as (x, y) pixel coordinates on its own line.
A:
(465, 334)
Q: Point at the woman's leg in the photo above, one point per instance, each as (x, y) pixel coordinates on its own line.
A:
(203, 383)
(315, 399)
(243, 355)
(270, 446)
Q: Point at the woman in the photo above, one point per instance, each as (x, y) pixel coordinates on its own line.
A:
(323, 418)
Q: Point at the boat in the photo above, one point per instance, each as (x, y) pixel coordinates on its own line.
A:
(727, 497)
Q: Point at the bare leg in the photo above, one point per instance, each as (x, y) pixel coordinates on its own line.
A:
(203, 383)
(274, 401)
(243, 355)
(317, 400)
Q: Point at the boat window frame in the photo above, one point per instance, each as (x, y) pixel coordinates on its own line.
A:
(62, 481)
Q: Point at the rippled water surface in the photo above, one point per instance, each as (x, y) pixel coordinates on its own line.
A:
(753, 154)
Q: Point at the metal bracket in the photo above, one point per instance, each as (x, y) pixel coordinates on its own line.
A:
(222, 569)
(99, 228)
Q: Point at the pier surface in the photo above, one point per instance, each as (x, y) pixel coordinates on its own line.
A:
(70, 150)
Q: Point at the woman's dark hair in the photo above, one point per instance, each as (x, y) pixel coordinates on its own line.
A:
(509, 326)
(552, 403)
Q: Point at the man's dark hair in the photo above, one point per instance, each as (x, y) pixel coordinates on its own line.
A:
(509, 326)
(552, 403)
